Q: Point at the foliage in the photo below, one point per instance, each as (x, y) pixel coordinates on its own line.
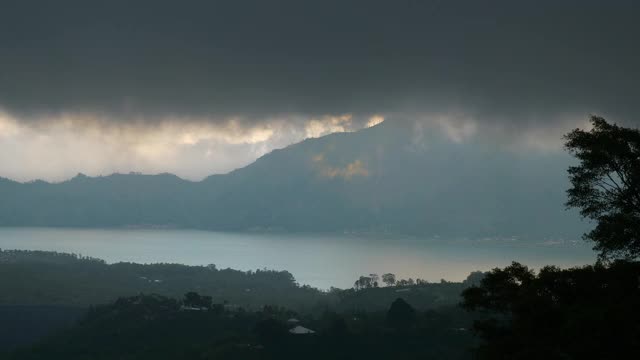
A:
(22, 325)
(389, 279)
(421, 296)
(401, 315)
(49, 278)
(195, 300)
(155, 327)
(606, 185)
(33, 279)
(586, 312)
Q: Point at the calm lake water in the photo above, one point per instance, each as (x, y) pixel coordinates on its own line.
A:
(318, 260)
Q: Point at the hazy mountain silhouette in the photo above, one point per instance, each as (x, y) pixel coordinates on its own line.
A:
(388, 178)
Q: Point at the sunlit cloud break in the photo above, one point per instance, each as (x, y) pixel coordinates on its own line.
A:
(56, 148)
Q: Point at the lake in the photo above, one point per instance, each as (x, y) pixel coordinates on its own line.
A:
(317, 260)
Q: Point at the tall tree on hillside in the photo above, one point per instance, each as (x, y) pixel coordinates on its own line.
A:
(606, 186)
(364, 282)
(389, 279)
(374, 279)
(579, 313)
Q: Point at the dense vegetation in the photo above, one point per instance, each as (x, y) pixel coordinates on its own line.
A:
(59, 287)
(156, 327)
(22, 325)
(582, 313)
(606, 186)
(589, 312)
(48, 278)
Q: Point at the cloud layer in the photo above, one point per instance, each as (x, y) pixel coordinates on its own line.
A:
(56, 148)
(157, 85)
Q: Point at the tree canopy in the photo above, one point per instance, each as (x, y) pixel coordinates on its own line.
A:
(588, 312)
(606, 185)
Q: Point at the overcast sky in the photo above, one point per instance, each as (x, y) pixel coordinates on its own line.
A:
(202, 87)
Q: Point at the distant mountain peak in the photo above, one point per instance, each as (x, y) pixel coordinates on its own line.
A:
(367, 181)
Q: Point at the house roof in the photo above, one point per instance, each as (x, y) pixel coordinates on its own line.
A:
(300, 330)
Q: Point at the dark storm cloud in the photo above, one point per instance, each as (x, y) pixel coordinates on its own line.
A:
(506, 61)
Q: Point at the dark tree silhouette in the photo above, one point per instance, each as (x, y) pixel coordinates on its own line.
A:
(474, 278)
(374, 279)
(606, 186)
(364, 282)
(580, 313)
(401, 314)
(389, 279)
(270, 332)
(194, 299)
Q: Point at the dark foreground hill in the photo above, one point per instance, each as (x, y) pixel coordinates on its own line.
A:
(386, 178)
(44, 293)
(156, 327)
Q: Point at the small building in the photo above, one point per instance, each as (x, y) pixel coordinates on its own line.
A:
(301, 330)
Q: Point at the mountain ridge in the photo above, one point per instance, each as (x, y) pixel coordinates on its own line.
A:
(379, 179)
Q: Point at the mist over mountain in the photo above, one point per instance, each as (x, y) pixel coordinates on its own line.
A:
(389, 178)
